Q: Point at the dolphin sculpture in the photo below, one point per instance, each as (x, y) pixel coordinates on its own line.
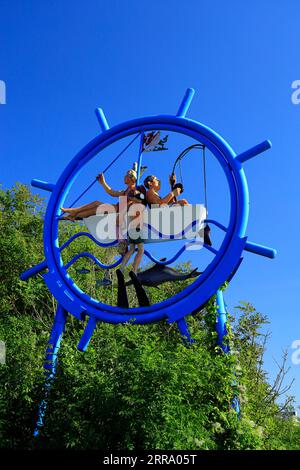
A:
(158, 274)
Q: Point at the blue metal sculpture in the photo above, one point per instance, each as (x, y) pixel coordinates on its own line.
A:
(225, 263)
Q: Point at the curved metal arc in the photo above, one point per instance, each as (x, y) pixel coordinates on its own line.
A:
(92, 257)
(163, 236)
(115, 242)
(216, 223)
(174, 258)
(147, 253)
(87, 234)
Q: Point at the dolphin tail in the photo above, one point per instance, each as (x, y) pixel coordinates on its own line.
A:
(194, 273)
(122, 293)
(140, 291)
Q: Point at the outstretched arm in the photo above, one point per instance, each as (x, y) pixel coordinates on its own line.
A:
(107, 188)
(153, 198)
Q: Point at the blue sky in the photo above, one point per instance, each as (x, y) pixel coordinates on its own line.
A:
(61, 59)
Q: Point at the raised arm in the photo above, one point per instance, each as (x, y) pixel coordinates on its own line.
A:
(172, 180)
(107, 188)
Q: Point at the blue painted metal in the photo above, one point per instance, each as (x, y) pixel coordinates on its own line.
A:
(42, 185)
(223, 266)
(50, 363)
(55, 338)
(210, 248)
(236, 405)
(174, 258)
(250, 246)
(221, 321)
(88, 235)
(184, 330)
(222, 331)
(217, 272)
(115, 242)
(92, 257)
(260, 250)
(87, 334)
(206, 285)
(102, 119)
(185, 104)
(216, 223)
(33, 271)
(178, 235)
(146, 253)
(254, 151)
(235, 270)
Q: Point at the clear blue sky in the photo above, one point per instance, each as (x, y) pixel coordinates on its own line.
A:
(61, 59)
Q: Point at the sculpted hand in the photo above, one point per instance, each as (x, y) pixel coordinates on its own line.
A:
(101, 178)
(172, 179)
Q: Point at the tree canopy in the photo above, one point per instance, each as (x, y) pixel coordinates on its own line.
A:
(136, 387)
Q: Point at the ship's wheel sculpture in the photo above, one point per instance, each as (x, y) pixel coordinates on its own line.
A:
(226, 261)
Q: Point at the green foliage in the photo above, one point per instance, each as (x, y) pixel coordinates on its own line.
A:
(144, 390)
(136, 387)
(20, 247)
(21, 378)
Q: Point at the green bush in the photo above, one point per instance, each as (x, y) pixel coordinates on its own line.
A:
(136, 387)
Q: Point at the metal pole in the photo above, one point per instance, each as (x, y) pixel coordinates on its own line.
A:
(222, 331)
(51, 362)
(185, 104)
(184, 330)
(221, 321)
